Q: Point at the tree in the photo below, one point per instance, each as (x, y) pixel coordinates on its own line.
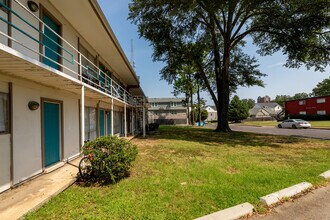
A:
(322, 88)
(238, 110)
(204, 114)
(184, 82)
(249, 102)
(212, 33)
(280, 99)
(302, 95)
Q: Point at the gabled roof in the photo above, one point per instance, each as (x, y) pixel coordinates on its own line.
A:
(266, 105)
(254, 111)
(212, 107)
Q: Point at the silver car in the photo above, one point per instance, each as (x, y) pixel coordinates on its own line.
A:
(294, 123)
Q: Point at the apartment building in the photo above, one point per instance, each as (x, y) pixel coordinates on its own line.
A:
(308, 106)
(64, 79)
(167, 111)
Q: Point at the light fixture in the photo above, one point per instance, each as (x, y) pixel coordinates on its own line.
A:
(33, 105)
(33, 6)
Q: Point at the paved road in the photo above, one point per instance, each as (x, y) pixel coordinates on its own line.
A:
(313, 206)
(310, 133)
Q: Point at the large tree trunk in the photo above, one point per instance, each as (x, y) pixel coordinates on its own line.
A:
(222, 82)
(191, 105)
(223, 94)
(187, 103)
(199, 106)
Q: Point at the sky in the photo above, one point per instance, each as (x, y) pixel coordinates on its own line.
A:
(279, 80)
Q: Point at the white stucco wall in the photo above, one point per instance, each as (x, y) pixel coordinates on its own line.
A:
(68, 33)
(4, 151)
(27, 144)
(19, 36)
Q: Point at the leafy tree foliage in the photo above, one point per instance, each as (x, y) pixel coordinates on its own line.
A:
(238, 110)
(211, 33)
(280, 99)
(302, 95)
(204, 114)
(249, 102)
(322, 88)
(184, 82)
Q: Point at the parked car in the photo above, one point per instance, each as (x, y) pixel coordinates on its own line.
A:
(294, 123)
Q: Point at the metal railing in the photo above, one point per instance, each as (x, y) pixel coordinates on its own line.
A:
(88, 72)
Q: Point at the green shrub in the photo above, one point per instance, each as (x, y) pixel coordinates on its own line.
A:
(153, 126)
(311, 117)
(112, 158)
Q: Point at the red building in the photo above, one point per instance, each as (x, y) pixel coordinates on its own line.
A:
(309, 106)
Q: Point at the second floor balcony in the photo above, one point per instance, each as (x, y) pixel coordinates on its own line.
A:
(56, 47)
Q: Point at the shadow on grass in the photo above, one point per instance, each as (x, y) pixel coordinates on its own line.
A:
(209, 137)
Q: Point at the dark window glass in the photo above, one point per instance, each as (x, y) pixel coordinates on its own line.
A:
(4, 113)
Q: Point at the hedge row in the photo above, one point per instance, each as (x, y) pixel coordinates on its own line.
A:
(311, 117)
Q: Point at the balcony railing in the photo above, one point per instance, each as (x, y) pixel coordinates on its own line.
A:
(88, 72)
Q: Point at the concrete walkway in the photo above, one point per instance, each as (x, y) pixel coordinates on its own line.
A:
(313, 206)
(31, 195)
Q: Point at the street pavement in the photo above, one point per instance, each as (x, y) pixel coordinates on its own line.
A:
(313, 206)
(309, 133)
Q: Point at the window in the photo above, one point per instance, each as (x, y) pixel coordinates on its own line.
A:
(322, 112)
(88, 62)
(322, 100)
(154, 104)
(90, 123)
(302, 102)
(173, 104)
(117, 122)
(302, 113)
(4, 113)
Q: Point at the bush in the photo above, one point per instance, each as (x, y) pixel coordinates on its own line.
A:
(153, 126)
(310, 117)
(112, 158)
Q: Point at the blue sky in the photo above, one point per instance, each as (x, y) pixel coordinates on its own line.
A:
(280, 80)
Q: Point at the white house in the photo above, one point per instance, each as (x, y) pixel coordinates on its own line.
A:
(265, 110)
(212, 114)
(64, 79)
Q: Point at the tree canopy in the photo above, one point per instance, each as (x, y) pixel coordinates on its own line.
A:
(250, 102)
(322, 88)
(210, 35)
(238, 110)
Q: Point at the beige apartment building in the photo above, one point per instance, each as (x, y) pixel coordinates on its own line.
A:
(169, 111)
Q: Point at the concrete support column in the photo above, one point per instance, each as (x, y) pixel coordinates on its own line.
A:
(132, 121)
(125, 120)
(112, 116)
(82, 114)
(144, 118)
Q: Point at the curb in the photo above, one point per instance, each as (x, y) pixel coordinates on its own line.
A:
(232, 213)
(325, 175)
(285, 193)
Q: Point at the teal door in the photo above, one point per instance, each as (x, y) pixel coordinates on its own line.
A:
(51, 43)
(51, 133)
(109, 123)
(102, 124)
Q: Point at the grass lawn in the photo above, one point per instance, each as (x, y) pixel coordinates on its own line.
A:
(320, 124)
(184, 173)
